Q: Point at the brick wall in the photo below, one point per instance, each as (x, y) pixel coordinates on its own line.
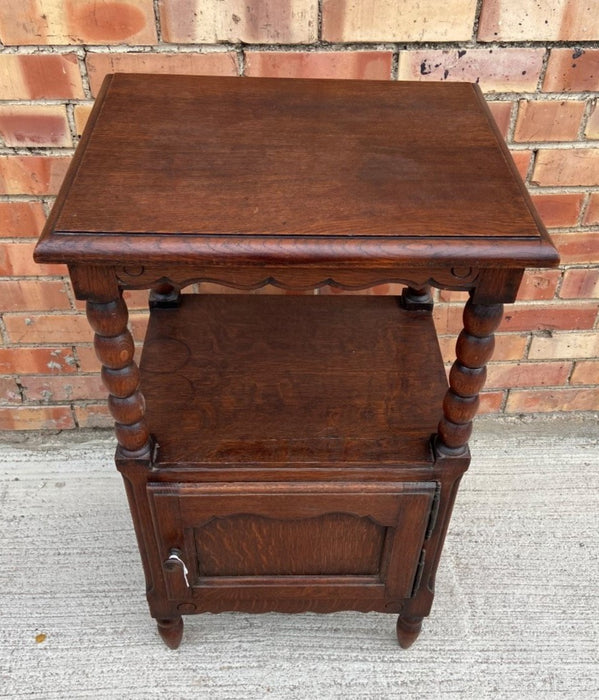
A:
(538, 64)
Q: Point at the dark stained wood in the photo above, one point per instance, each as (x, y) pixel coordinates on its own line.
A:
(256, 545)
(408, 629)
(342, 252)
(115, 350)
(291, 380)
(474, 349)
(201, 165)
(239, 538)
(171, 631)
(291, 453)
(417, 298)
(254, 150)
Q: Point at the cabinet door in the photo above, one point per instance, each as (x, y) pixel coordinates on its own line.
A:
(287, 546)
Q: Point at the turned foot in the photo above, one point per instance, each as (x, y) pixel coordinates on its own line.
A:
(171, 631)
(408, 629)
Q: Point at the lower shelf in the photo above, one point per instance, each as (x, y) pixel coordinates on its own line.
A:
(291, 380)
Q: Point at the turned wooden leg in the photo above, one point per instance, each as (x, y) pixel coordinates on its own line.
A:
(171, 631)
(474, 348)
(408, 629)
(115, 349)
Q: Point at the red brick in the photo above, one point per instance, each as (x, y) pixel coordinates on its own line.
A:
(246, 21)
(585, 372)
(88, 360)
(138, 322)
(522, 160)
(548, 120)
(36, 418)
(496, 70)
(527, 374)
(491, 402)
(572, 70)
(93, 415)
(580, 284)
(577, 247)
(37, 175)
(538, 285)
(564, 345)
(71, 388)
(372, 65)
(531, 20)
(592, 128)
(33, 295)
(525, 317)
(567, 167)
(453, 295)
(425, 20)
(591, 215)
(80, 22)
(508, 347)
(81, 114)
(34, 125)
(502, 113)
(16, 259)
(214, 63)
(37, 361)
(558, 210)
(448, 319)
(9, 391)
(545, 400)
(39, 77)
(21, 219)
(55, 328)
(136, 299)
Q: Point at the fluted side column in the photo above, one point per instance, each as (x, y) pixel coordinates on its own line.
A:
(474, 348)
(115, 349)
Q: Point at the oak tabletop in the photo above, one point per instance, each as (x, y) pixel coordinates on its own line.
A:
(218, 169)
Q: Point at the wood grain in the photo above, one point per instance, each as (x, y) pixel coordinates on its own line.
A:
(183, 166)
(286, 547)
(286, 460)
(338, 544)
(281, 380)
(69, 568)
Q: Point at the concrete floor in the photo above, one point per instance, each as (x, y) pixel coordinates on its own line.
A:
(516, 612)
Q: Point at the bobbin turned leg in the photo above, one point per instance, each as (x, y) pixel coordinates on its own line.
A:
(114, 348)
(474, 348)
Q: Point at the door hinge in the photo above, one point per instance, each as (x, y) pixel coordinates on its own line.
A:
(419, 572)
(432, 521)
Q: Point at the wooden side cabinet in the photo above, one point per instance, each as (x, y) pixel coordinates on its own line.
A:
(291, 452)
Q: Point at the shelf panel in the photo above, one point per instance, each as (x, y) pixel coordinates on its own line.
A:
(291, 381)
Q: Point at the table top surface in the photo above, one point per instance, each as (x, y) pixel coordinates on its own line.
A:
(194, 167)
